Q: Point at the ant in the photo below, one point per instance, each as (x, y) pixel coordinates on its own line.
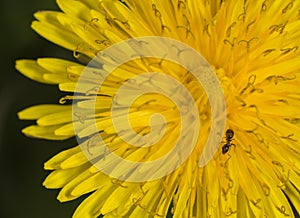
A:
(229, 138)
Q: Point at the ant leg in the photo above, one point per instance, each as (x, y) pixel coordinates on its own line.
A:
(234, 145)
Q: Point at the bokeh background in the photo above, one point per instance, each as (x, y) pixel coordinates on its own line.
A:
(22, 158)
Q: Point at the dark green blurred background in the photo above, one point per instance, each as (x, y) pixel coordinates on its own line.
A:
(22, 174)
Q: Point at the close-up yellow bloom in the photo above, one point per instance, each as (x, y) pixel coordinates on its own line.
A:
(230, 98)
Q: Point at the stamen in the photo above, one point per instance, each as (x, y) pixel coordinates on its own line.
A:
(109, 20)
(155, 214)
(228, 31)
(225, 192)
(187, 27)
(243, 103)
(288, 50)
(280, 78)
(136, 201)
(248, 42)
(76, 52)
(92, 91)
(63, 100)
(229, 212)
(158, 15)
(268, 51)
(80, 116)
(179, 51)
(283, 101)
(282, 178)
(288, 137)
(293, 120)
(230, 183)
(94, 20)
(118, 182)
(205, 28)
(282, 210)
(82, 53)
(156, 11)
(256, 90)
(242, 16)
(181, 4)
(92, 143)
(90, 23)
(125, 23)
(141, 206)
(232, 43)
(266, 189)
(278, 28)
(276, 163)
(264, 6)
(137, 42)
(252, 130)
(288, 7)
(163, 27)
(160, 62)
(259, 137)
(71, 76)
(104, 42)
(249, 25)
(255, 203)
(251, 81)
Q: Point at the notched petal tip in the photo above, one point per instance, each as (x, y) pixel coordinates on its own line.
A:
(41, 132)
(56, 161)
(32, 70)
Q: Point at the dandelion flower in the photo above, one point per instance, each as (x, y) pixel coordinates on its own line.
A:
(253, 48)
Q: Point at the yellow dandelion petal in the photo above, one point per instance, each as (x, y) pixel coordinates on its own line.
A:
(55, 162)
(90, 184)
(60, 178)
(91, 206)
(47, 132)
(49, 26)
(76, 9)
(75, 160)
(67, 192)
(32, 70)
(252, 53)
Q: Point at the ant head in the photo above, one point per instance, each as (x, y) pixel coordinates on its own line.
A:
(229, 133)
